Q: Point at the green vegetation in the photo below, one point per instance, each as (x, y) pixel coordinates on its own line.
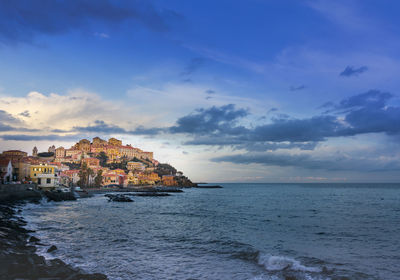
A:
(84, 175)
(72, 165)
(99, 179)
(103, 159)
(45, 154)
(165, 169)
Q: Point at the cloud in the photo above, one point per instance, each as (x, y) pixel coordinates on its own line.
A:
(23, 21)
(272, 110)
(7, 117)
(297, 88)
(49, 137)
(100, 126)
(9, 123)
(352, 71)
(364, 113)
(193, 65)
(306, 161)
(212, 120)
(102, 35)
(25, 114)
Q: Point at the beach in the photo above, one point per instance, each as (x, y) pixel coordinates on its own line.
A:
(18, 257)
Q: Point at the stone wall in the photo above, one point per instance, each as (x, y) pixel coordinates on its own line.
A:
(13, 192)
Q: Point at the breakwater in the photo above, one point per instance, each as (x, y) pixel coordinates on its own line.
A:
(15, 192)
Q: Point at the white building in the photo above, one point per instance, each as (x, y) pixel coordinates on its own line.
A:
(6, 170)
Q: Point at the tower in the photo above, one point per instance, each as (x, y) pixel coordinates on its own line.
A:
(34, 151)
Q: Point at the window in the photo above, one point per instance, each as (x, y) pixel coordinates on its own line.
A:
(39, 181)
(48, 181)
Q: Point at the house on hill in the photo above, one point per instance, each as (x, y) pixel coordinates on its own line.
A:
(6, 170)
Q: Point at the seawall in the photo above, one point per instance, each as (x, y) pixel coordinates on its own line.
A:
(14, 192)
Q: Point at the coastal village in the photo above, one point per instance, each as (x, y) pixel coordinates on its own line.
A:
(88, 164)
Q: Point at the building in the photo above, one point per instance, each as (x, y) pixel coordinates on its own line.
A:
(147, 155)
(133, 165)
(127, 151)
(60, 152)
(98, 142)
(73, 153)
(112, 178)
(168, 180)
(24, 169)
(83, 145)
(70, 177)
(6, 170)
(52, 149)
(44, 176)
(35, 151)
(114, 142)
(113, 153)
(132, 179)
(13, 154)
(91, 162)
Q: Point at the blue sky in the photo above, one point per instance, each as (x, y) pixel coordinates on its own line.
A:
(258, 91)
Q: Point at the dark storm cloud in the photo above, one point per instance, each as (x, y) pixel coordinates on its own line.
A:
(193, 65)
(352, 71)
(22, 21)
(221, 120)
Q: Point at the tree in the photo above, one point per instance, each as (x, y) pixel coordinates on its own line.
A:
(102, 156)
(84, 174)
(99, 178)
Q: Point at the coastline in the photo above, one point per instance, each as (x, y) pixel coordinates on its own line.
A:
(18, 258)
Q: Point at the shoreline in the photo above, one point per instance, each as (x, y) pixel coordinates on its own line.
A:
(18, 247)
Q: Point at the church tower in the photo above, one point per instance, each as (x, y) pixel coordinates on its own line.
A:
(34, 151)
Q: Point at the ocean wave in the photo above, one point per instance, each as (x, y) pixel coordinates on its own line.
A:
(281, 263)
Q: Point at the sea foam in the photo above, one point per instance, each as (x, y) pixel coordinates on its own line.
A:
(279, 263)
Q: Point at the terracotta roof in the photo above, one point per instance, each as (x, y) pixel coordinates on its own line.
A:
(4, 162)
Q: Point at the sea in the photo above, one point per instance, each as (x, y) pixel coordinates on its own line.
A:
(242, 231)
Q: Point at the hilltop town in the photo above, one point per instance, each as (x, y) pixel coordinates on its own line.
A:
(96, 164)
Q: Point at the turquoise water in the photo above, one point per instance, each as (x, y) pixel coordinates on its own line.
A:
(243, 231)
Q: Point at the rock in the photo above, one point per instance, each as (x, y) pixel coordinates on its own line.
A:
(52, 248)
(118, 198)
(209, 187)
(34, 239)
(151, 194)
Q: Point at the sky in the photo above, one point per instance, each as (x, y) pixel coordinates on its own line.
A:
(225, 91)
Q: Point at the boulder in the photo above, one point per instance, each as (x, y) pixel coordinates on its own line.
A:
(52, 248)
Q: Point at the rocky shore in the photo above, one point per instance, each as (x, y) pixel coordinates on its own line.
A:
(18, 258)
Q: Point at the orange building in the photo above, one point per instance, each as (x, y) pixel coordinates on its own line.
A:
(97, 142)
(114, 142)
(168, 180)
(60, 152)
(91, 162)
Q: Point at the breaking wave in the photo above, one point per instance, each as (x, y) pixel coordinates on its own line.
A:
(281, 263)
